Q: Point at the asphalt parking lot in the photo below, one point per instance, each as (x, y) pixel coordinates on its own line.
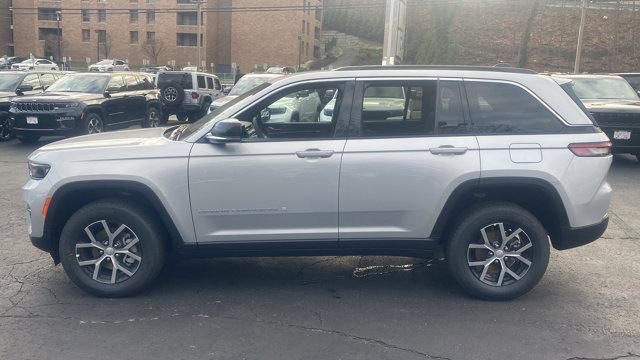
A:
(586, 307)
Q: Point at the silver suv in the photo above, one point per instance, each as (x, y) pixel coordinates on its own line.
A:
(487, 167)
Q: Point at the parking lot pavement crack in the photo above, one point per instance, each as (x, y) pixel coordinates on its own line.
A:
(627, 356)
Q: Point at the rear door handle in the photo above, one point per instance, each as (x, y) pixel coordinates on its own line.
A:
(314, 154)
(448, 150)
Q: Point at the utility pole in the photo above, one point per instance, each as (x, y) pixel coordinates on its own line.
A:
(199, 39)
(58, 14)
(299, 51)
(583, 16)
(394, 32)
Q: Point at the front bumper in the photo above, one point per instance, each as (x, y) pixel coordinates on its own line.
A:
(573, 237)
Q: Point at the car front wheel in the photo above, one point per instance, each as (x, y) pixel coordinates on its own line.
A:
(499, 251)
(153, 118)
(111, 248)
(93, 124)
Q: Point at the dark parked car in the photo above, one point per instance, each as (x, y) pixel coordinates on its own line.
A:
(87, 103)
(14, 84)
(5, 63)
(614, 105)
(633, 79)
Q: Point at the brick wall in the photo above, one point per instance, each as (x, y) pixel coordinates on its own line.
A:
(5, 22)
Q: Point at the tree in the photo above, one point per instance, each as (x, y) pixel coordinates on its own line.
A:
(523, 53)
(53, 47)
(153, 49)
(104, 46)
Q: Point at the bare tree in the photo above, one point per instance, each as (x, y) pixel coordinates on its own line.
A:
(53, 47)
(523, 54)
(104, 46)
(153, 49)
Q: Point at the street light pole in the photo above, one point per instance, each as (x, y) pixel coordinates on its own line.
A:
(199, 39)
(59, 36)
(583, 16)
(299, 52)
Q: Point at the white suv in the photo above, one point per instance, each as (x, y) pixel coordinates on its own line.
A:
(109, 65)
(486, 166)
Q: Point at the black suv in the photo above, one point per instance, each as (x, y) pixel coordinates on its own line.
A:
(633, 79)
(614, 105)
(14, 84)
(86, 104)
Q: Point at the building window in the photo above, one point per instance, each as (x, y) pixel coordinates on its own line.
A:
(306, 49)
(133, 16)
(308, 29)
(48, 14)
(86, 35)
(187, 39)
(151, 16)
(187, 18)
(185, 1)
(151, 36)
(304, 25)
(102, 15)
(316, 52)
(133, 37)
(85, 15)
(149, 1)
(316, 33)
(318, 14)
(102, 36)
(43, 33)
(133, 1)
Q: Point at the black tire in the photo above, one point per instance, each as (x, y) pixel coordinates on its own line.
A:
(28, 138)
(182, 117)
(172, 94)
(145, 228)
(164, 118)
(194, 116)
(92, 124)
(153, 118)
(468, 230)
(6, 128)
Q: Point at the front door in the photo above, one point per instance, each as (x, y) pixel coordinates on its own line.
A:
(280, 183)
(115, 106)
(410, 150)
(135, 97)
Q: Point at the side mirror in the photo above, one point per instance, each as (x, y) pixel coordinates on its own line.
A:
(106, 94)
(22, 88)
(225, 131)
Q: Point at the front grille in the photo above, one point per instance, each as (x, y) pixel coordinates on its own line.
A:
(628, 120)
(35, 106)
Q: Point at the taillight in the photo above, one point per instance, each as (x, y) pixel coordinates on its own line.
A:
(591, 149)
(194, 95)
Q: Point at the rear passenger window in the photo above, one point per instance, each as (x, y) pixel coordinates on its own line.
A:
(209, 83)
(498, 108)
(450, 113)
(399, 109)
(201, 82)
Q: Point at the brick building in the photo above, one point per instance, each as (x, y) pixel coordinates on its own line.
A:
(6, 33)
(158, 31)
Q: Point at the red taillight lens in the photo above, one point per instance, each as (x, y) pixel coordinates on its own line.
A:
(194, 95)
(591, 149)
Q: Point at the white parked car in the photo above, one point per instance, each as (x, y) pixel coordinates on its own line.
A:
(35, 64)
(109, 65)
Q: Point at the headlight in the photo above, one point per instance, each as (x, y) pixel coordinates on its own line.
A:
(38, 171)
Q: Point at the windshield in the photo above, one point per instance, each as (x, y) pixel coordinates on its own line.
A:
(80, 84)
(104, 62)
(28, 61)
(9, 82)
(603, 89)
(247, 83)
(194, 127)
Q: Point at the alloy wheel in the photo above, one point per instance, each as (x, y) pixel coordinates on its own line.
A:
(170, 94)
(501, 255)
(6, 129)
(153, 119)
(111, 254)
(94, 126)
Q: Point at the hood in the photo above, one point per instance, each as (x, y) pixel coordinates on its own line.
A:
(61, 96)
(612, 105)
(7, 95)
(115, 139)
(223, 100)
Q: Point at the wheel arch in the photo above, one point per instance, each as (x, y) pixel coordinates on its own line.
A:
(72, 196)
(538, 196)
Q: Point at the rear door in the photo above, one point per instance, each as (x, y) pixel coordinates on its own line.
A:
(115, 107)
(409, 149)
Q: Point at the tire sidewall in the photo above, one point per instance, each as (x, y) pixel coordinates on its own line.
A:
(85, 124)
(152, 247)
(469, 229)
(147, 122)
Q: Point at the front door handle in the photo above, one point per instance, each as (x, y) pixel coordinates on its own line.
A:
(314, 154)
(448, 150)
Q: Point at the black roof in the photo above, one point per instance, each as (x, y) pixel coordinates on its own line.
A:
(438, 67)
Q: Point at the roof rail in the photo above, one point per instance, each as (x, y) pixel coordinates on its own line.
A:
(438, 67)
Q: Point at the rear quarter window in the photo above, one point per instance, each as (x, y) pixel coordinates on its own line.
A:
(183, 79)
(500, 108)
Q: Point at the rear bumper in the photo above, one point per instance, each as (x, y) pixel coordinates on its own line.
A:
(573, 237)
(631, 146)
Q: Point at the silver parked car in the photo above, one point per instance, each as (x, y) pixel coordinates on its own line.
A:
(488, 166)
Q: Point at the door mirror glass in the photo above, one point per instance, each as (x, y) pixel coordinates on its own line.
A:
(225, 131)
(106, 94)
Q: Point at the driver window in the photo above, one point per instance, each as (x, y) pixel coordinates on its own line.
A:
(300, 113)
(116, 84)
(32, 79)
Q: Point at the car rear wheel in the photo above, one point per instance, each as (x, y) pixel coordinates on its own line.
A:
(172, 94)
(153, 118)
(499, 251)
(6, 129)
(111, 248)
(93, 124)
